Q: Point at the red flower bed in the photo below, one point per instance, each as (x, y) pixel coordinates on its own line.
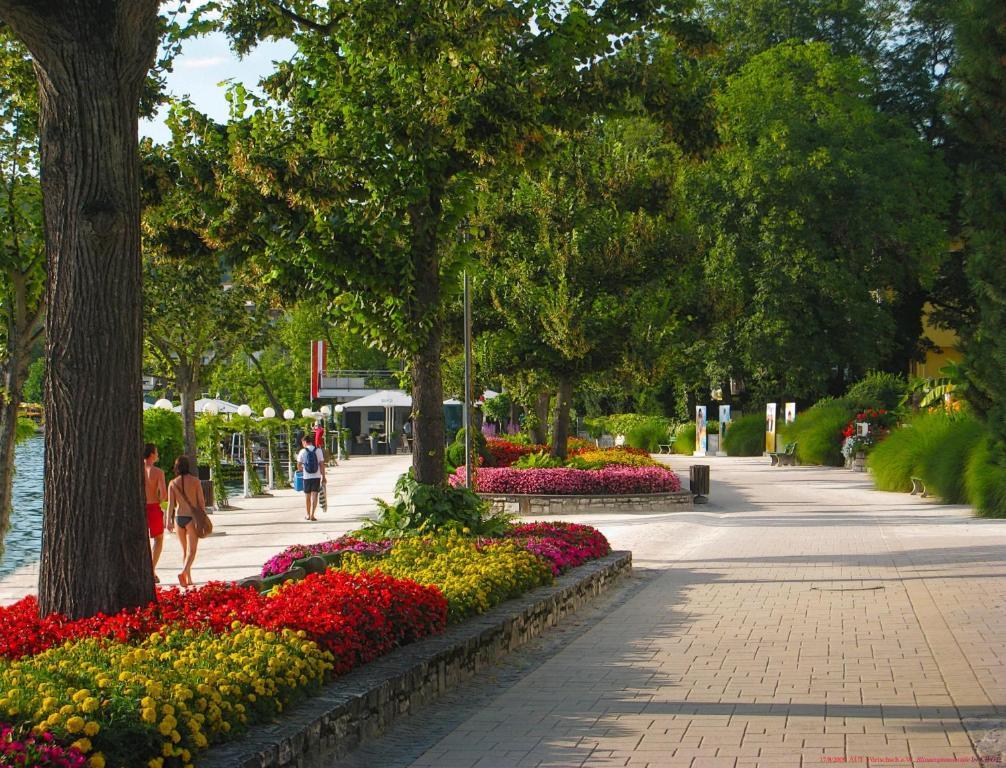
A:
(357, 617)
(575, 482)
(506, 453)
(372, 610)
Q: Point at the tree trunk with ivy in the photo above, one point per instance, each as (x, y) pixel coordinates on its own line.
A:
(91, 59)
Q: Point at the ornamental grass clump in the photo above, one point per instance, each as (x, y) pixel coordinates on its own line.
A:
(899, 457)
(745, 436)
(472, 578)
(160, 702)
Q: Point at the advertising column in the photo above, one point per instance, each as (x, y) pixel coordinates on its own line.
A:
(701, 443)
(724, 426)
(789, 414)
(770, 412)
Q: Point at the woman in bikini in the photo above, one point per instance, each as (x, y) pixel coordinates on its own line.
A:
(185, 494)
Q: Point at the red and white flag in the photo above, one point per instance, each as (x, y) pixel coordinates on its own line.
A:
(319, 362)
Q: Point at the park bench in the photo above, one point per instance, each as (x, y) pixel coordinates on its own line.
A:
(665, 448)
(786, 456)
(919, 486)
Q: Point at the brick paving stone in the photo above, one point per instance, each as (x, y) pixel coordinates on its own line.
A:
(798, 616)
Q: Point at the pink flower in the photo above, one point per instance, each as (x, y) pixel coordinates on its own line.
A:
(566, 481)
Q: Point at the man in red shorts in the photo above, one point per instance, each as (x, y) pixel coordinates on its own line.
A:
(156, 492)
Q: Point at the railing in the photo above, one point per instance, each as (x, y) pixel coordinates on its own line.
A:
(360, 379)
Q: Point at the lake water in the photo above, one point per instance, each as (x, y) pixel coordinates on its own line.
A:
(24, 540)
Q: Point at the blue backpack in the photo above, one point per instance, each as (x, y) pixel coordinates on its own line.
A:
(311, 460)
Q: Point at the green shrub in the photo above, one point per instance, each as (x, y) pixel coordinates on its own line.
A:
(985, 480)
(943, 466)
(539, 460)
(902, 454)
(877, 390)
(684, 439)
(647, 435)
(818, 432)
(164, 429)
(595, 426)
(745, 436)
(455, 455)
(623, 423)
(421, 508)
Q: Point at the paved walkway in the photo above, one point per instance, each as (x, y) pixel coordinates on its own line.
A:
(800, 618)
(255, 529)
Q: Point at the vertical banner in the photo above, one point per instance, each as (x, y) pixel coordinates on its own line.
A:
(701, 441)
(724, 415)
(770, 415)
(319, 361)
(789, 414)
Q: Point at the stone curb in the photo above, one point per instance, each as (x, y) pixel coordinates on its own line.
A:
(362, 704)
(535, 504)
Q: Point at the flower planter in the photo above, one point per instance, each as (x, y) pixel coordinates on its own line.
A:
(859, 462)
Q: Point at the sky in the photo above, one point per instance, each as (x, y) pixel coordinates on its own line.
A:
(203, 65)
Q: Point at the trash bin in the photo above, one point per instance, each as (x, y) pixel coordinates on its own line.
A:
(298, 480)
(698, 481)
(208, 492)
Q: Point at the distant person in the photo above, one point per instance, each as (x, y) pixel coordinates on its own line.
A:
(155, 492)
(311, 463)
(319, 433)
(185, 496)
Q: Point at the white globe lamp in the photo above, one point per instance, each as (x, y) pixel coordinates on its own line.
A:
(307, 413)
(288, 414)
(339, 408)
(244, 410)
(211, 408)
(326, 410)
(269, 413)
(164, 404)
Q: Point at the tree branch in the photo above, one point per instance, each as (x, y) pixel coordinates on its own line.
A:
(304, 21)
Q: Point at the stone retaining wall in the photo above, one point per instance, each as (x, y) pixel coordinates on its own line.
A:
(534, 505)
(362, 704)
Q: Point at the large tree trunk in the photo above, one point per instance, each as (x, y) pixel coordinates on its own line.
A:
(188, 392)
(540, 432)
(427, 384)
(91, 58)
(23, 327)
(560, 425)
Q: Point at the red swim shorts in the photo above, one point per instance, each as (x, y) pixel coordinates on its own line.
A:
(155, 520)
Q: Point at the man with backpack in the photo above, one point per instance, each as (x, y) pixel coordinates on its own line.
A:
(311, 463)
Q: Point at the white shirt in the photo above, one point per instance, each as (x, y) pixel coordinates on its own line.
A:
(302, 459)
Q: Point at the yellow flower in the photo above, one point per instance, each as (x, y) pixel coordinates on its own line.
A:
(91, 728)
(97, 760)
(84, 745)
(155, 762)
(75, 724)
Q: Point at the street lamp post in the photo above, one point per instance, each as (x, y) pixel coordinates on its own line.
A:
(288, 415)
(270, 413)
(326, 413)
(245, 411)
(338, 437)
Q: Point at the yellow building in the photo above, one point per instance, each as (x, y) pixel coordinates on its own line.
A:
(947, 349)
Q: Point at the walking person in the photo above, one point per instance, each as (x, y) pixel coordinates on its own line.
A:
(155, 492)
(185, 503)
(311, 463)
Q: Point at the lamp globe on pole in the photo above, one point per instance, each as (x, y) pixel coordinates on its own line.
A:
(211, 408)
(245, 410)
(164, 404)
(338, 439)
(307, 413)
(269, 413)
(289, 415)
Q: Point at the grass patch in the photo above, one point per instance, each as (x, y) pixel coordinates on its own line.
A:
(647, 435)
(745, 436)
(944, 463)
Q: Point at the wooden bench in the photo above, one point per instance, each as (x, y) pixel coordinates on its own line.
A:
(665, 448)
(919, 486)
(787, 456)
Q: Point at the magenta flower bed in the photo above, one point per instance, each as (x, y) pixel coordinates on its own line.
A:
(281, 563)
(564, 545)
(564, 481)
(38, 750)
